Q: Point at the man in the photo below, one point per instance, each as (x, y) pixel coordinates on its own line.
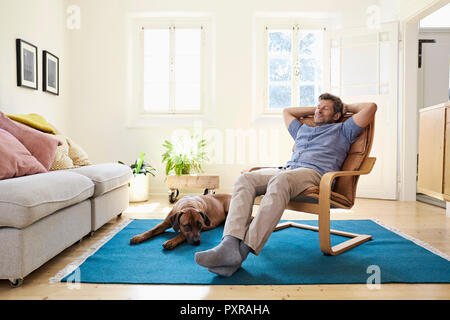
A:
(317, 150)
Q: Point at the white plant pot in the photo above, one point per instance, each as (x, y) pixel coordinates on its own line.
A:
(139, 187)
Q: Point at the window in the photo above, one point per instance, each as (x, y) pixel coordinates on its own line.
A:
(293, 67)
(361, 63)
(170, 69)
(172, 79)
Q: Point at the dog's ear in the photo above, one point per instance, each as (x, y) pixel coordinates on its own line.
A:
(205, 219)
(175, 221)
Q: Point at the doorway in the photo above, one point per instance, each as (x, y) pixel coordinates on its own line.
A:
(433, 69)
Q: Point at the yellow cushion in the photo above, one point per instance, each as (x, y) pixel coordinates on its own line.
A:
(33, 120)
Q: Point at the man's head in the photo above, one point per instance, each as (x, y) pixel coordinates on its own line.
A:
(329, 109)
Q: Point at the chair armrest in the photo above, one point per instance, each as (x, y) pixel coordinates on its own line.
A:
(327, 178)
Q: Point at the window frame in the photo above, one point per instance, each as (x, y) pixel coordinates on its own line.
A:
(261, 114)
(136, 115)
(295, 56)
(173, 26)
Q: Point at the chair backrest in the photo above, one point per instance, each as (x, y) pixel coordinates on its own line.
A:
(358, 152)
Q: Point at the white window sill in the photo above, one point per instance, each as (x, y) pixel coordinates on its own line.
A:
(165, 120)
(268, 119)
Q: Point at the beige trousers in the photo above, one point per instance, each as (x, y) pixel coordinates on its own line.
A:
(278, 186)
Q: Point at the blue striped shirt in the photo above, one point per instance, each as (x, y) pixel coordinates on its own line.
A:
(322, 148)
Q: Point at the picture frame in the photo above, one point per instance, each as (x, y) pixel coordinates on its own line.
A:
(27, 64)
(50, 71)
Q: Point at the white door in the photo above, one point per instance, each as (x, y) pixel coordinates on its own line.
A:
(363, 66)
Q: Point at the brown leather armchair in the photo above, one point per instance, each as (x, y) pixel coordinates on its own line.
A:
(319, 199)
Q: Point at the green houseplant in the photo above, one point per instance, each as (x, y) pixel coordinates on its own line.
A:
(184, 156)
(140, 181)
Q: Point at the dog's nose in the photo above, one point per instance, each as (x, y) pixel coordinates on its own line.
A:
(196, 242)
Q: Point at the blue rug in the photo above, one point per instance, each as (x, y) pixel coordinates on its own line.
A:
(291, 256)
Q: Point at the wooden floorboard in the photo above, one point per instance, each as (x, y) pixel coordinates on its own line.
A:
(420, 220)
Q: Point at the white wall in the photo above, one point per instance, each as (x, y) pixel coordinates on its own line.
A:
(407, 9)
(41, 23)
(99, 72)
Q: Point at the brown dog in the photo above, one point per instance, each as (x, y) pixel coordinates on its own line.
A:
(190, 215)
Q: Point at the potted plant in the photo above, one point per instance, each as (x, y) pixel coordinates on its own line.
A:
(139, 184)
(184, 159)
(184, 156)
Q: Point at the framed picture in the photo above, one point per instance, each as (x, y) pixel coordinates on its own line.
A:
(50, 67)
(27, 64)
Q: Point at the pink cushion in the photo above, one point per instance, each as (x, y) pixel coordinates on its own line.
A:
(42, 146)
(16, 160)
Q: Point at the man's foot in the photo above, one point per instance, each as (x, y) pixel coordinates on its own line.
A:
(225, 254)
(224, 271)
(227, 271)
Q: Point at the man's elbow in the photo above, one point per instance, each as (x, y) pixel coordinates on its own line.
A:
(373, 108)
(287, 115)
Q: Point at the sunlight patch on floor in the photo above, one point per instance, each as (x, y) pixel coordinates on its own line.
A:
(340, 211)
(166, 209)
(166, 292)
(142, 208)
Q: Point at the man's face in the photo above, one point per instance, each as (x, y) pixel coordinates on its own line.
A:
(324, 112)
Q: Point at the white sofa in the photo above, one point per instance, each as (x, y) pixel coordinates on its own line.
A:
(43, 214)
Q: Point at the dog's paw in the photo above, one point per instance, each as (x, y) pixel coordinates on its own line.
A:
(136, 240)
(168, 245)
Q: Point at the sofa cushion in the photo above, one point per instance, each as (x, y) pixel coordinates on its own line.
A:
(15, 159)
(106, 176)
(41, 145)
(27, 199)
(77, 154)
(62, 159)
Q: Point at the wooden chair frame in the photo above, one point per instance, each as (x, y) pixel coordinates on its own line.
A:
(322, 209)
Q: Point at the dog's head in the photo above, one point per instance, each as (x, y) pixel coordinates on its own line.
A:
(190, 222)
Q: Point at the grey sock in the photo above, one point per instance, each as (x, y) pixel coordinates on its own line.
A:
(244, 250)
(225, 254)
(224, 271)
(227, 271)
